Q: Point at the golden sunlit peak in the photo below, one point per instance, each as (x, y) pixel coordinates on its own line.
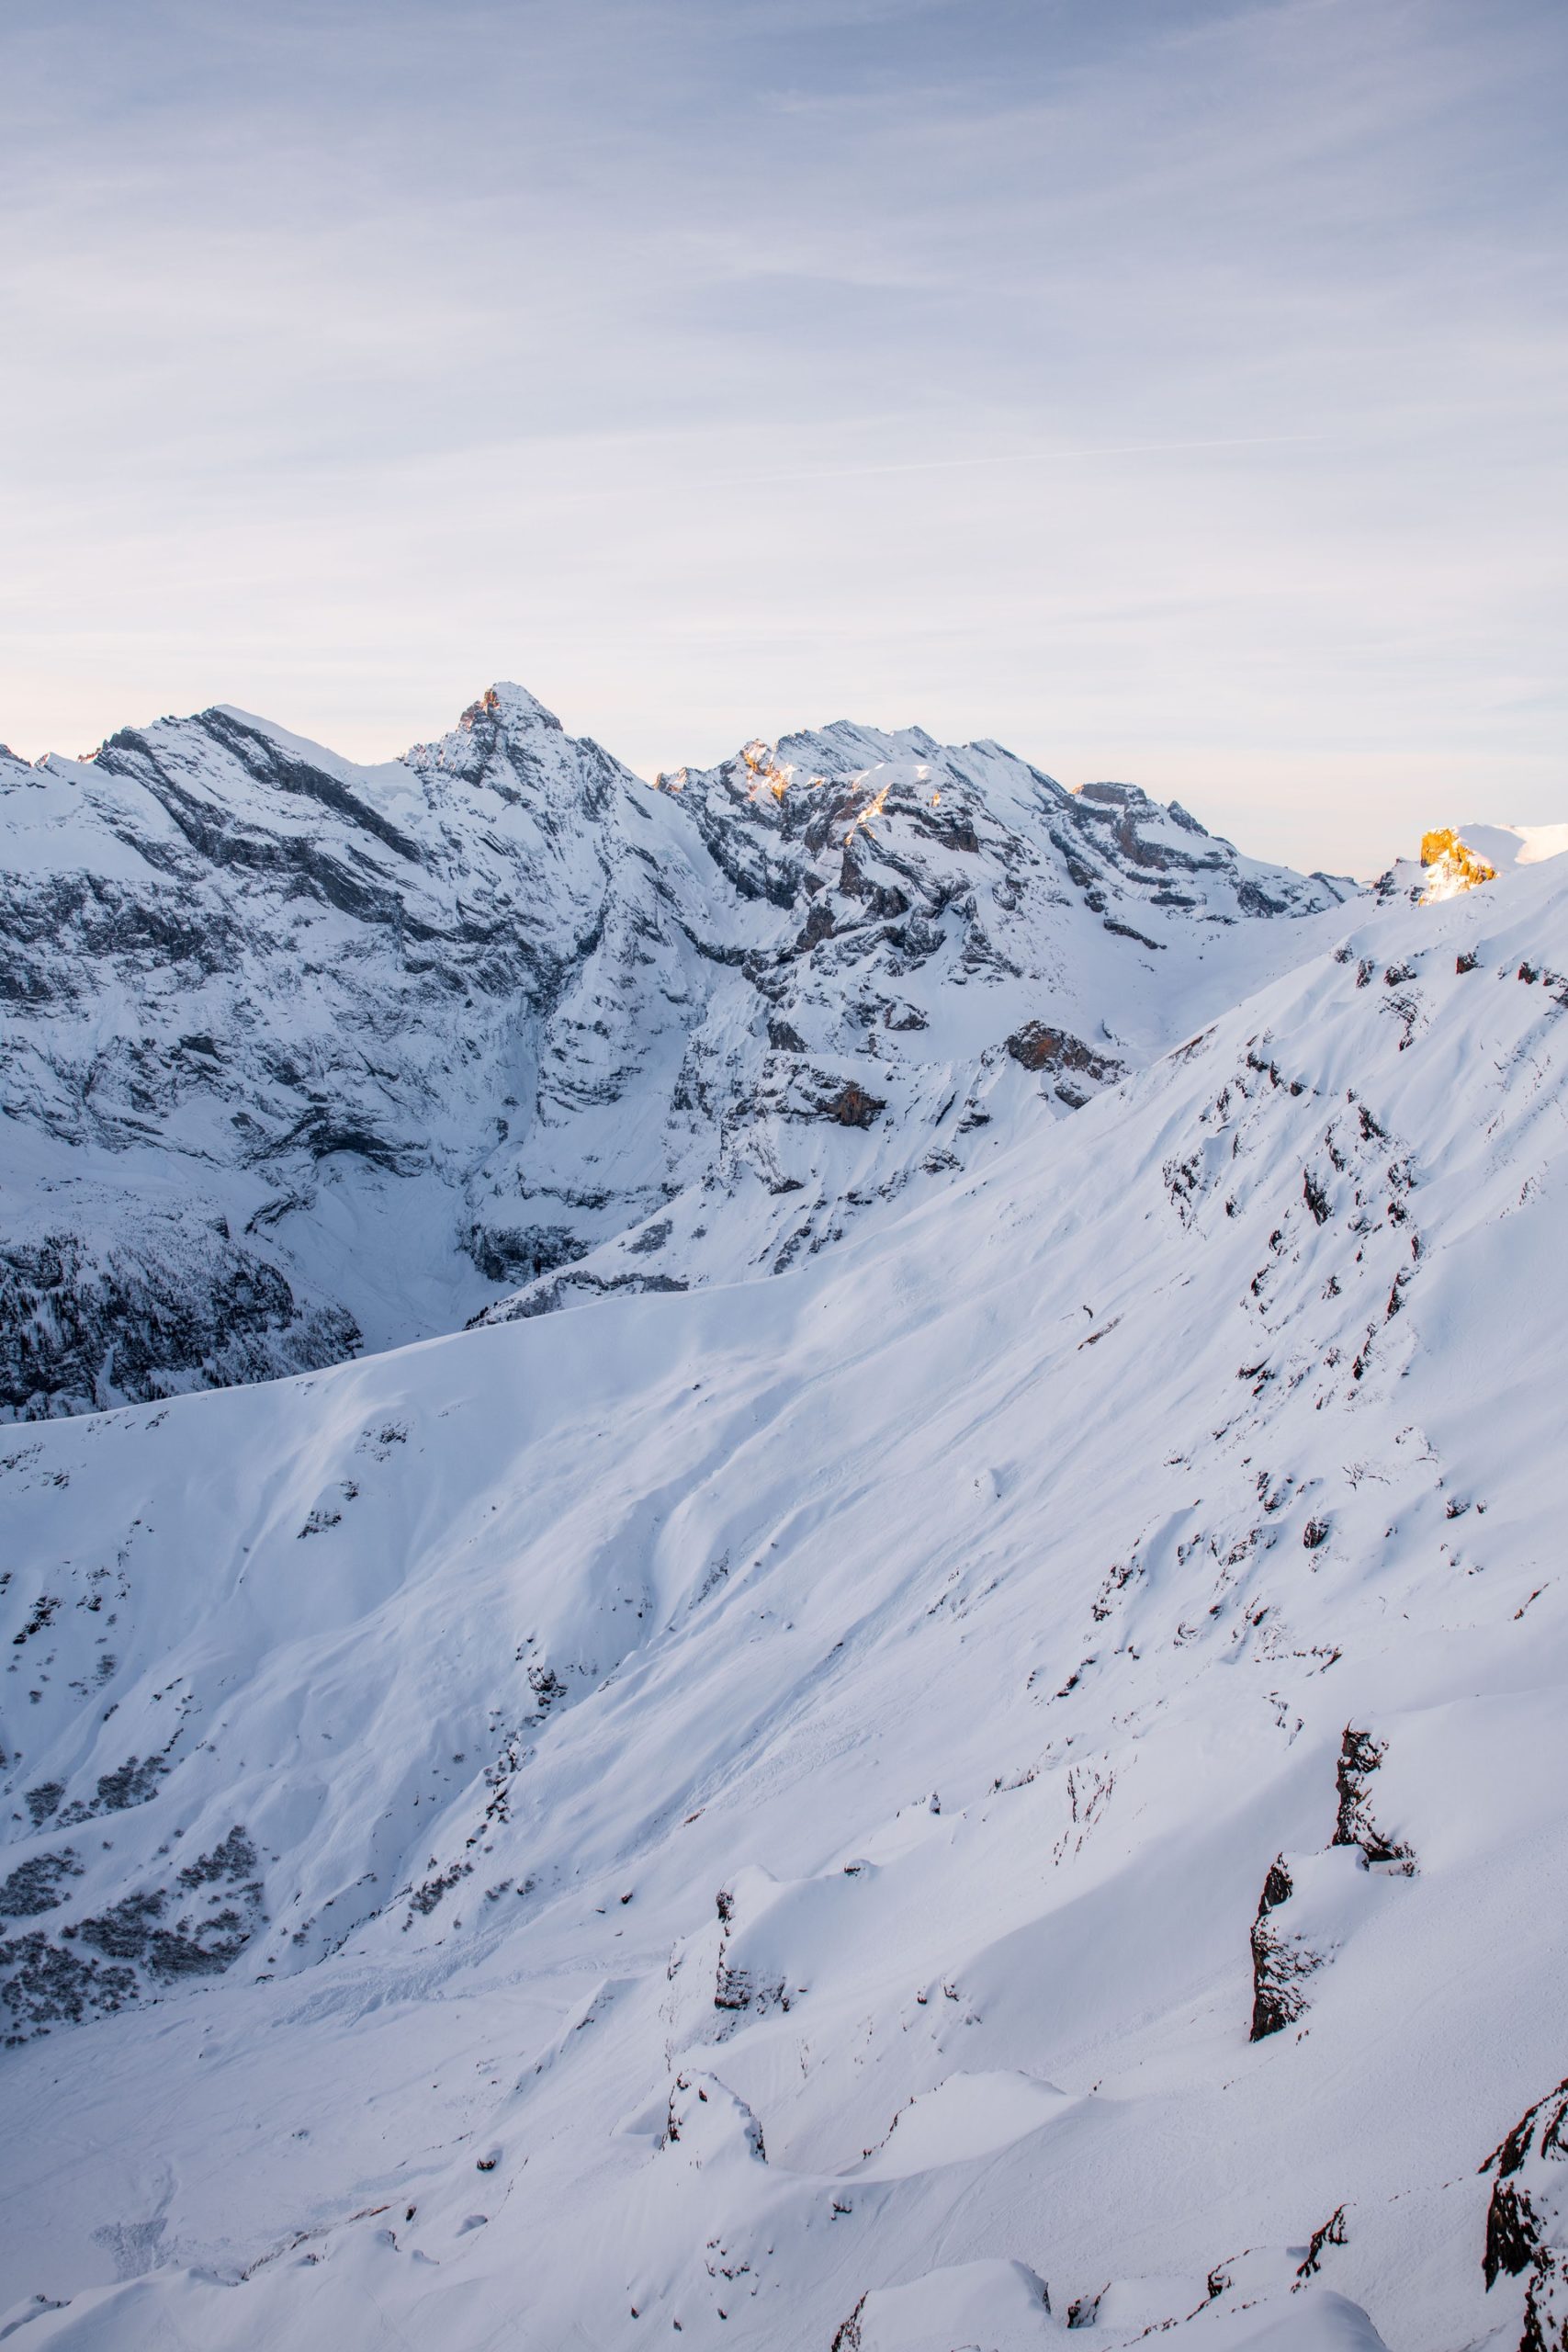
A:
(759, 758)
(1452, 866)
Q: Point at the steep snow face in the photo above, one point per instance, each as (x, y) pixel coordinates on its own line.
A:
(1005, 1781)
(301, 1057)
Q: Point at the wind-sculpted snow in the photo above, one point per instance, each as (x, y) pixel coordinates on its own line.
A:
(1005, 1781)
(299, 1056)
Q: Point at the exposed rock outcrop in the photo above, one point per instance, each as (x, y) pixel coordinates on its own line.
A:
(1527, 2220)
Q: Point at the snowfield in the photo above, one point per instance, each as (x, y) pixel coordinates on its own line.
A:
(1006, 1780)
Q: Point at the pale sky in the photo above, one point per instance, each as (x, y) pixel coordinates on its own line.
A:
(1175, 393)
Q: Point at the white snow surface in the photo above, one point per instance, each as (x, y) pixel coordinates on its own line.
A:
(1506, 845)
(770, 1811)
(299, 1057)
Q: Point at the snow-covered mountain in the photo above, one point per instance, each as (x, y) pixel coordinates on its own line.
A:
(1005, 1781)
(301, 1056)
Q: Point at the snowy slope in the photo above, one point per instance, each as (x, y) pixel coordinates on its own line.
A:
(300, 1056)
(1506, 845)
(778, 1812)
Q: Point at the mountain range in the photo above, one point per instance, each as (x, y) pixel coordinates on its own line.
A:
(943, 1725)
(302, 1057)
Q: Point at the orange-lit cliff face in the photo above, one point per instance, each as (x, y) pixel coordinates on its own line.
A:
(1452, 866)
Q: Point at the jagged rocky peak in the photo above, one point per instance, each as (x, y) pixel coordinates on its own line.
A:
(502, 714)
(510, 708)
(1144, 828)
(1166, 842)
(508, 742)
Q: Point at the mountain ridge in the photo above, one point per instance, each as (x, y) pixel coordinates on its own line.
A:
(303, 1057)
